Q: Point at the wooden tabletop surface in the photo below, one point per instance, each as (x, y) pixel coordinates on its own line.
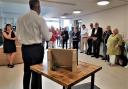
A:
(65, 77)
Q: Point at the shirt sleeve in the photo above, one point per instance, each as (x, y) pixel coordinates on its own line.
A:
(44, 30)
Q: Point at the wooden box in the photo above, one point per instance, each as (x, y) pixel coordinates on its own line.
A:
(62, 58)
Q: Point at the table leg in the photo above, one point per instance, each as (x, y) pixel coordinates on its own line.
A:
(63, 87)
(92, 81)
(77, 56)
(66, 87)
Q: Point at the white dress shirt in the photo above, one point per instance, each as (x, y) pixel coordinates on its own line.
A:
(95, 31)
(84, 32)
(89, 32)
(32, 29)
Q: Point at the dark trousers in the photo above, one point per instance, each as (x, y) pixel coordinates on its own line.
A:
(32, 54)
(96, 48)
(104, 50)
(105, 56)
(75, 44)
(58, 40)
(47, 44)
(89, 50)
(65, 41)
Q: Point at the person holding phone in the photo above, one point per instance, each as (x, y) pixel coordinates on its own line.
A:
(9, 45)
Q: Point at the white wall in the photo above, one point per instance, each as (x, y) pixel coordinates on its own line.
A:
(115, 17)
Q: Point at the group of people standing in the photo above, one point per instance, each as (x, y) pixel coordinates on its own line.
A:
(73, 36)
(89, 40)
(111, 39)
(62, 36)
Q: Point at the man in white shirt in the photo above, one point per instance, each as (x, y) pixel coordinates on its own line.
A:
(84, 38)
(31, 32)
(89, 50)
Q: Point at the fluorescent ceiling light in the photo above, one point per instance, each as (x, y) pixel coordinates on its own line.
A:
(63, 17)
(103, 2)
(76, 12)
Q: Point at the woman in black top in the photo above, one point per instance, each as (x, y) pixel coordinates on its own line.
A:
(9, 45)
(76, 38)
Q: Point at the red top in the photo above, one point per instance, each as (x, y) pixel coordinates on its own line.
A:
(54, 35)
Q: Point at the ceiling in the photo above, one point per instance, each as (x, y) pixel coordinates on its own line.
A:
(57, 8)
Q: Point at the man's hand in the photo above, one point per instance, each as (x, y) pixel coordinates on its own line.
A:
(94, 38)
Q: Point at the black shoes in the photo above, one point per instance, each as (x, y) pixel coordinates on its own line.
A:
(95, 56)
(103, 58)
(10, 65)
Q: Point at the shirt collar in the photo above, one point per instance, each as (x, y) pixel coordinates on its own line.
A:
(32, 11)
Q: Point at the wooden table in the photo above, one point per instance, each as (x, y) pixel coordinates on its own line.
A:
(67, 78)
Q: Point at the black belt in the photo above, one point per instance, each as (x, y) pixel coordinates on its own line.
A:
(38, 44)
